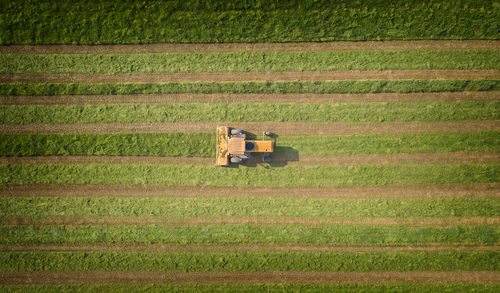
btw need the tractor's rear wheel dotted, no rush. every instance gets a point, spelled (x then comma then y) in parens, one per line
(236, 160)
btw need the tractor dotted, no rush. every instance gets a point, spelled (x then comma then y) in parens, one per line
(234, 148)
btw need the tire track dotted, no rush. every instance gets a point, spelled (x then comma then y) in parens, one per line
(244, 247)
(278, 158)
(254, 47)
(280, 128)
(250, 76)
(251, 98)
(269, 277)
(413, 222)
(480, 190)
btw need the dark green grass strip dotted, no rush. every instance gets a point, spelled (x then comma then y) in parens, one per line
(247, 207)
(76, 22)
(244, 112)
(250, 234)
(209, 288)
(293, 176)
(249, 61)
(249, 261)
(338, 86)
(203, 144)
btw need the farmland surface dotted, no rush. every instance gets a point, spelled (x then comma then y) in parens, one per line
(386, 174)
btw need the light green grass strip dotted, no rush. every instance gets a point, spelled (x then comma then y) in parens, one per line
(249, 261)
(250, 61)
(293, 176)
(250, 234)
(337, 86)
(247, 206)
(282, 288)
(198, 112)
(203, 144)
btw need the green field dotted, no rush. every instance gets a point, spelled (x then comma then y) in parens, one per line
(371, 194)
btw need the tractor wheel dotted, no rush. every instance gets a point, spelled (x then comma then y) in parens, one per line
(268, 133)
(236, 160)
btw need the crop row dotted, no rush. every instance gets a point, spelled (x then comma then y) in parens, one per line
(282, 288)
(28, 22)
(244, 112)
(334, 86)
(293, 176)
(247, 207)
(250, 234)
(249, 61)
(248, 261)
(198, 144)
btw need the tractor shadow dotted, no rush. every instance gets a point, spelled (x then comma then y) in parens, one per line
(281, 156)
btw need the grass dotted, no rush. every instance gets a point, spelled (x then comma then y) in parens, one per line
(336, 86)
(203, 144)
(171, 144)
(61, 22)
(249, 206)
(289, 176)
(348, 288)
(249, 261)
(245, 112)
(335, 235)
(249, 61)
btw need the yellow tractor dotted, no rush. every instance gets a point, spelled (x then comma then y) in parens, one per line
(233, 147)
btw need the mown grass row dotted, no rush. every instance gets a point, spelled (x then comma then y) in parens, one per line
(227, 235)
(249, 261)
(336, 86)
(289, 176)
(247, 207)
(246, 112)
(201, 144)
(249, 61)
(346, 288)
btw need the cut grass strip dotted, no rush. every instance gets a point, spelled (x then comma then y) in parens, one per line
(338, 86)
(282, 279)
(247, 62)
(243, 112)
(475, 190)
(335, 235)
(276, 76)
(250, 206)
(261, 21)
(254, 47)
(344, 288)
(177, 144)
(415, 222)
(242, 247)
(251, 98)
(279, 128)
(249, 261)
(289, 176)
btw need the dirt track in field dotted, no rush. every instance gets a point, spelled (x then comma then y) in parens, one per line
(280, 128)
(414, 222)
(270, 277)
(278, 158)
(245, 247)
(478, 190)
(251, 76)
(251, 98)
(254, 47)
